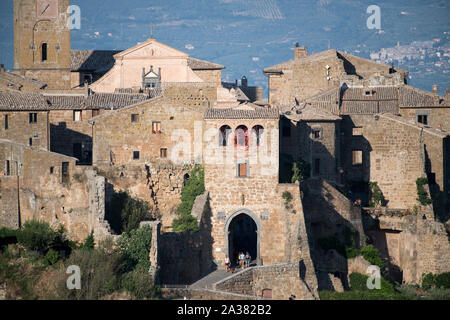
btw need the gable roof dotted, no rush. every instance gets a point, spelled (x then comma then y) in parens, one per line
(92, 60)
(16, 81)
(307, 112)
(244, 110)
(148, 42)
(197, 64)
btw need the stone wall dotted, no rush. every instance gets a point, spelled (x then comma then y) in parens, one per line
(203, 294)
(393, 156)
(438, 117)
(413, 245)
(21, 130)
(150, 177)
(283, 280)
(40, 191)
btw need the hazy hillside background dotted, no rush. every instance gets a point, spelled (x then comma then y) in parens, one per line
(249, 35)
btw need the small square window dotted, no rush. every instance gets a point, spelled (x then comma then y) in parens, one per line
(356, 157)
(135, 155)
(77, 115)
(242, 170)
(156, 127)
(317, 133)
(95, 112)
(163, 153)
(422, 118)
(33, 117)
(134, 118)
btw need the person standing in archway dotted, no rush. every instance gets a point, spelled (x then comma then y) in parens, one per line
(247, 259)
(227, 264)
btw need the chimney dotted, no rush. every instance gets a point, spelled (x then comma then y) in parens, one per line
(300, 52)
(447, 94)
(2, 68)
(244, 81)
(434, 89)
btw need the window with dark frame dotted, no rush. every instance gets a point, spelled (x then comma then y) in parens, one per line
(317, 133)
(30, 141)
(52, 170)
(134, 117)
(422, 118)
(8, 168)
(44, 52)
(65, 172)
(135, 155)
(163, 153)
(32, 117)
(95, 112)
(6, 122)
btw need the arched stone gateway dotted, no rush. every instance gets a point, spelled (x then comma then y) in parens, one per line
(243, 233)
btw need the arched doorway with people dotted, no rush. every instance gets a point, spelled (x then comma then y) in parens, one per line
(243, 229)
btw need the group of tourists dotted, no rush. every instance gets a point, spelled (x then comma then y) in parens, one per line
(242, 259)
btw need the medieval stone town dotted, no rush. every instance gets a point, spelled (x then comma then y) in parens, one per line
(342, 145)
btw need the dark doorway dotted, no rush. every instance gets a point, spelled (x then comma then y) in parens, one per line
(77, 151)
(242, 236)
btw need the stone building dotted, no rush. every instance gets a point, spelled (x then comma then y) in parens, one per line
(42, 41)
(307, 75)
(58, 122)
(148, 148)
(42, 185)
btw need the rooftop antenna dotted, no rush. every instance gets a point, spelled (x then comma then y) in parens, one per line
(151, 30)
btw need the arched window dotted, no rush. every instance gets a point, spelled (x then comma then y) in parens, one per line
(224, 133)
(241, 136)
(44, 52)
(257, 131)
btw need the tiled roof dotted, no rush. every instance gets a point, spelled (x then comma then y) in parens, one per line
(31, 101)
(379, 93)
(18, 81)
(414, 97)
(254, 112)
(197, 64)
(10, 100)
(92, 60)
(307, 112)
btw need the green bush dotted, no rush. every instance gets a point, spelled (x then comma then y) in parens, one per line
(372, 254)
(422, 195)
(443, 280)
(428, 281)
(287, 196)
(99, 276)
(135, 248)
(125, 213)
(140, 284)
(331, 242)
(6, 232)
(376, 196)
(194, 186)
(301, 170)
(51, 257)
(89, 242)
(37, 235)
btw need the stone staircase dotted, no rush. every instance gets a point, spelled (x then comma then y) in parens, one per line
(209, 280)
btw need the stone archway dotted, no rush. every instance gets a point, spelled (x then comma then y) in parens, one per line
(243, 233)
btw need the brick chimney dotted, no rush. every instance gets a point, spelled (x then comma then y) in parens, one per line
(2, 68)
(86, 89)
(434, 89)
(300, 52)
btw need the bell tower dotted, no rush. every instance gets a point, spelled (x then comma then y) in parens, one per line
(42, 41)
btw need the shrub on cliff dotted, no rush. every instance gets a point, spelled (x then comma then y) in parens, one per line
(125, 213)
(37, 235)
(135, 248)
(194, 186)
